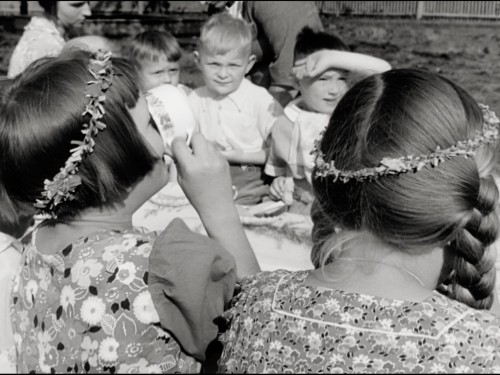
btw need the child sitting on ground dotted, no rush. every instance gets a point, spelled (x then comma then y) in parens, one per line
(231, 111)
(305, 118)
(157, 55)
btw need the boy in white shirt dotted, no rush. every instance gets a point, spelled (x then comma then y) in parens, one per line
(292, 139)
(230, 110)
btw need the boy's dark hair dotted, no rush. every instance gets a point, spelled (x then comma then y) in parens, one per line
(309, 41)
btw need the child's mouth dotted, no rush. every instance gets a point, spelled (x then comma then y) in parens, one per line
(331, 100)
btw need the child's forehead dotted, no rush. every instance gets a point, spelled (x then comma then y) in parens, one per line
(231, 54)
(161, 63)
(155, 57)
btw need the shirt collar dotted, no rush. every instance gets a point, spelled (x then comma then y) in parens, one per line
(240, 96)
(293, 111)
(7, 241)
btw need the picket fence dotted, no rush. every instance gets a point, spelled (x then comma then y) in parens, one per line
(479, 10)
(471, 10)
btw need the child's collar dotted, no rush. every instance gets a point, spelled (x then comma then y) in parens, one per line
(296, 108)
(239, 96)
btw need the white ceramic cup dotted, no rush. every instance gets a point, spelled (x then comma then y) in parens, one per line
(172, 113)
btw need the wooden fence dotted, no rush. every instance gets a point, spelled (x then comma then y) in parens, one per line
(473, 10)
(479, 10)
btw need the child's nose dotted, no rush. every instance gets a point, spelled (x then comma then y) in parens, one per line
(222, 71)
(336, 88)
(166, 78)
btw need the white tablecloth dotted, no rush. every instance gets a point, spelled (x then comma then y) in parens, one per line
(280, 242)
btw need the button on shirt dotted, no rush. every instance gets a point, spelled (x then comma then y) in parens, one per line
(242, 119)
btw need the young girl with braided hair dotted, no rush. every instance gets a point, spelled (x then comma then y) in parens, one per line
(78, 145)
(404, 206)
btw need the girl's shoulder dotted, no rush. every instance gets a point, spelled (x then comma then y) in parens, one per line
(267, 281)
(136, 242)
(133, 244)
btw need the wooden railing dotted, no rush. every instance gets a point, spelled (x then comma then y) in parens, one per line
(416, 9)
(478, 10)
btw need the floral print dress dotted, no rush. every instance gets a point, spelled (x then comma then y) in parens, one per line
(87, 308)
(278, 324)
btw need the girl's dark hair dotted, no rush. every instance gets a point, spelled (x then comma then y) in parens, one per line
(410, 112)
(41, 114)
(309, 41)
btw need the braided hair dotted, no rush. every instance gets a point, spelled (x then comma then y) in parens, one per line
(453, 206)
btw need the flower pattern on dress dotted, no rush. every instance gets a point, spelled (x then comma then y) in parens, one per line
(308, 329)
(92, 314)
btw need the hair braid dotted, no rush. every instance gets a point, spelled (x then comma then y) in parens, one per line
(472, 277)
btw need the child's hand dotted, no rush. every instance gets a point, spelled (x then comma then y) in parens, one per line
(313, 65)
(233, 155)
(277, 188)
(282, 189)
(203, 174)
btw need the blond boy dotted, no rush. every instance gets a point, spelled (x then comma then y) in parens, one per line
(230, 110)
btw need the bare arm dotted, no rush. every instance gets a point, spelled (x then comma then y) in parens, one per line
(203, 174)
(318, 62)
(240, 157)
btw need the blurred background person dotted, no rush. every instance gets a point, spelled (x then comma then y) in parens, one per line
(46, 35)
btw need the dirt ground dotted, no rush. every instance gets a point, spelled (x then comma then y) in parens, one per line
(465, 52)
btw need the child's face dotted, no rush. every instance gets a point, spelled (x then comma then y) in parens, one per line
(321, 94)
(223, 73)
(158, 73)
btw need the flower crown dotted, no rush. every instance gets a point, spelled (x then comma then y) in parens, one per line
(394, 166)
(62, 187)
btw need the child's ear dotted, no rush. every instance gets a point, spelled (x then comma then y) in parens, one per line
(251, 61)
